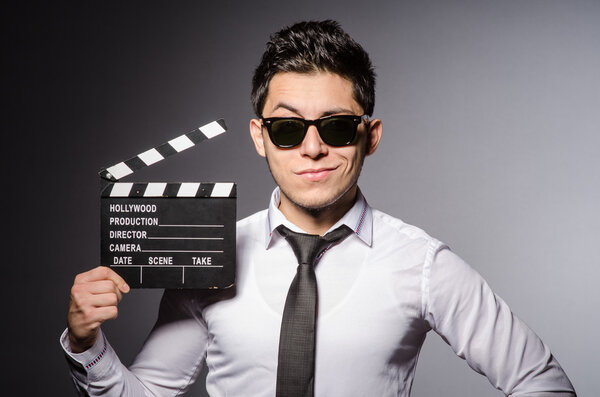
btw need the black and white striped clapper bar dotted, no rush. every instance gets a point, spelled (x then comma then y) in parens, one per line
(165, 234)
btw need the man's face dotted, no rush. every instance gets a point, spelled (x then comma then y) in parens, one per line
(314, 175)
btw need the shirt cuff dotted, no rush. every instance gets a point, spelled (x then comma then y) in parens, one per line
(89, 358)
(92, 364)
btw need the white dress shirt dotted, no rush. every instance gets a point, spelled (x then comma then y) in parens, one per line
(380, 291)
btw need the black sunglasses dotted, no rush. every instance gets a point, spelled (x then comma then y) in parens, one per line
(287, 132)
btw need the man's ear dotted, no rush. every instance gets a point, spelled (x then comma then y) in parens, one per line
(374, 136)
(257, 136)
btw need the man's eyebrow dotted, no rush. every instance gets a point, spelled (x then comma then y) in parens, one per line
(285, 106)
(336, 110)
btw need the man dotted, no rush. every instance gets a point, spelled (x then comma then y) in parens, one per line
(380, 289)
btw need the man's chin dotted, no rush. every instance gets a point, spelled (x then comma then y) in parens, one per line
(313, 203)
(316, 207)
(317, 203)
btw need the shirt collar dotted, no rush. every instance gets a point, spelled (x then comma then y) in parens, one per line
(359, 218)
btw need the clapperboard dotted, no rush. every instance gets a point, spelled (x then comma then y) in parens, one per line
(165, 234)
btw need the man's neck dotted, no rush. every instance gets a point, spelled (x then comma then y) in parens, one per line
(317, 221)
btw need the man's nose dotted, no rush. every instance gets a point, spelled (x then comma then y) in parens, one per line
(312, 145)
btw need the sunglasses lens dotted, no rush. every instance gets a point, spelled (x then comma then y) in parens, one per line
(287, 133)
(337, 131)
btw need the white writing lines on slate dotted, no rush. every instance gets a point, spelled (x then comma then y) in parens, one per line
(185, 238)
(170, 266)
(191, 225)
(215, 252)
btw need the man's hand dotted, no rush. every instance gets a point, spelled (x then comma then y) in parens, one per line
(94, 298)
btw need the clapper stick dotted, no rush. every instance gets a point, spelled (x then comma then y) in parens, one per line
(154, 155)
(169, 234)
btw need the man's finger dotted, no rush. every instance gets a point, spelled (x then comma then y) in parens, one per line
(94, 317)
(103, 287)
(107, 299)
(103, 273)
(106, 313)
(83, 293)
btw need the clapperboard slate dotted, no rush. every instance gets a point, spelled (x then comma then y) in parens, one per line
(164, 234)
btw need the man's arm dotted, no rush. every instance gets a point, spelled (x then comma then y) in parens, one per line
(168, 363)
(480, 327)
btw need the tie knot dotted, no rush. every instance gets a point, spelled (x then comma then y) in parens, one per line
(308, 247)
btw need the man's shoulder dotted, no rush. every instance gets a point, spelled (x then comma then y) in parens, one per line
(257, 217)
(396, 229)
(252, 225)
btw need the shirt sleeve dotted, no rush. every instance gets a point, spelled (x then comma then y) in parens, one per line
(480, 328)
(168, 363)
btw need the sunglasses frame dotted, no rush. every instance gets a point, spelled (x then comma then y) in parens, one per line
(268, 122)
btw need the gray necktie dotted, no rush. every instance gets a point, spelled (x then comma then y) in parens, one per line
(296, 363)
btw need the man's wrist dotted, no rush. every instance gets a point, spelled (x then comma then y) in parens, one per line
(79, 345)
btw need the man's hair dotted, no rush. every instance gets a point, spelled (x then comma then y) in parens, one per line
(315, 46)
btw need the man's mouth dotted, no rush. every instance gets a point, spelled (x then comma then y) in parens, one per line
(315, 174)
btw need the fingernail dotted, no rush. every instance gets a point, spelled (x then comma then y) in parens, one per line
(125, 287)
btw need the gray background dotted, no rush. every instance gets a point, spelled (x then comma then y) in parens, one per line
(491, 144)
